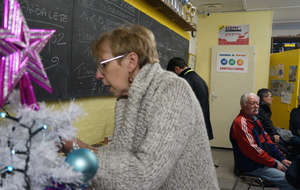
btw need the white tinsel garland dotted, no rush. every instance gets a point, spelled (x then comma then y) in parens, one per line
(45, 165)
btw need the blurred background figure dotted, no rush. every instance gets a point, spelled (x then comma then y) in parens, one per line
(277, 134)
(295, 119)
(199, 86)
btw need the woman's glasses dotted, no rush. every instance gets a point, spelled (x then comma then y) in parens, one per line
(103, 64)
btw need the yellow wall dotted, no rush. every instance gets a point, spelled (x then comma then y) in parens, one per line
(281, 111)
(99, 121)
(260, 30)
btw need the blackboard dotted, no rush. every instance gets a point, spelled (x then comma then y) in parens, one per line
(66, 57)
(56, 55)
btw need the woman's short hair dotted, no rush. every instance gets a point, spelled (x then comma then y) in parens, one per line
(129, 38)
(263, 92)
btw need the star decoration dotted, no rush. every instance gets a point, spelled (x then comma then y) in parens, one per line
(9, 69)
(19, 50)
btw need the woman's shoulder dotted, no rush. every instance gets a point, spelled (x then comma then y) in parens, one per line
(162, 81)
(170, 79)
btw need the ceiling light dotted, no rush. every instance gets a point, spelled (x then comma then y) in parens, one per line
(213, 6)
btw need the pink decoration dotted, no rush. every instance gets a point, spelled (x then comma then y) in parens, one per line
(19, 51)
(27, 92)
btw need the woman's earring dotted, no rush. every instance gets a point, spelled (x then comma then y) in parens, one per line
(130, 80)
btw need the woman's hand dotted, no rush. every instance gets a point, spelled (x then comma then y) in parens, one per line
(68, 145)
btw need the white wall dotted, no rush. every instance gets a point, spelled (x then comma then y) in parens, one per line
(193, 41)
(286, 29)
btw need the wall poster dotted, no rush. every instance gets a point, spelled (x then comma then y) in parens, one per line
(233, 35)
(192, 61)
(293, 73)
(232, 62)
(283, 89)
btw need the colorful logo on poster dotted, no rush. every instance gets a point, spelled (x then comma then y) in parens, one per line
(224, 61)
(231, 62)
(240, 62)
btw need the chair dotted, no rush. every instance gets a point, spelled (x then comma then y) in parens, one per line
(286, 151)
(250, 179)
(258, 181)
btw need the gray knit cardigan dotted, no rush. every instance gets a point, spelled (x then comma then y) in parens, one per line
(159, 141)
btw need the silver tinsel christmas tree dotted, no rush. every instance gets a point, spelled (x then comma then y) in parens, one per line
(31, 133)
(29, 144)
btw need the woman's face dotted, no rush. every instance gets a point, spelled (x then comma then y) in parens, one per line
(268, 99)
(114, 75)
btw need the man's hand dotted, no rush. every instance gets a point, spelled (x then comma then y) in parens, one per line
(281, 167)
(286, 162)
(276, 137)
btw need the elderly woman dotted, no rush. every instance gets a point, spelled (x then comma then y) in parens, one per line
(160, 139)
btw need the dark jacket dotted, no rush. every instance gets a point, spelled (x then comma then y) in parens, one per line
(200, 88)
(295, 121)
(264, 115)
(293, 172)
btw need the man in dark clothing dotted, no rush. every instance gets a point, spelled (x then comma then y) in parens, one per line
(293, 172)
(265, 113)
(199, 86)
(282, 136)
(295, 119)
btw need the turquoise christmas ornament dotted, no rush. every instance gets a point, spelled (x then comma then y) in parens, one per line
(85, 161)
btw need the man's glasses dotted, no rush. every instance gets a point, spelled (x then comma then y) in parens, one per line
(103, 64)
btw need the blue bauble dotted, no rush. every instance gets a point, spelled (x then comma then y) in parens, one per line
(85, 161)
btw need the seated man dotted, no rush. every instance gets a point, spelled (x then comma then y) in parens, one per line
(254, 152)
(265, 113)
(282, 136)
(295, 119)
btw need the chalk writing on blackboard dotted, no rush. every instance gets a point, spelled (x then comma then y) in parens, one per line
(66, 57)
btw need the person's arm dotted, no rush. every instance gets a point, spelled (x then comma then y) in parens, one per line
(274, 151)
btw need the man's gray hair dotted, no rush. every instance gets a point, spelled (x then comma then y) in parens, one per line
(244, 97)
